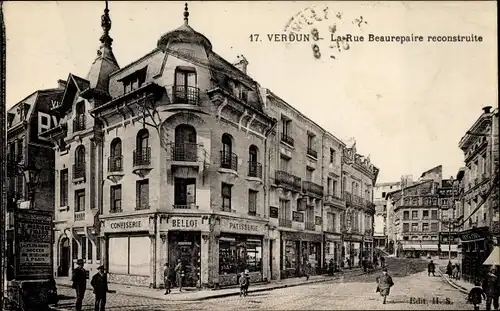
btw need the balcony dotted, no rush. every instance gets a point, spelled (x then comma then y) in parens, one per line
(185, 206)
(347, 196)
(254, 169)
(185, 152)
(286, 223)
(310, 188)
(288, 181)
(80, 216)
(287, 139)
(79, 123)
(115, 164)
(311, 226)
(229, 160)
(79, 170)
(356, 199)
(332, 200)
(313, 153)
(185, 95)
(142, 156)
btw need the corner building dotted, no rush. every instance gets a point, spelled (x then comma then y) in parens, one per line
(174, 157)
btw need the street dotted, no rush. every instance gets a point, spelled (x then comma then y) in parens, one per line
(413, 290)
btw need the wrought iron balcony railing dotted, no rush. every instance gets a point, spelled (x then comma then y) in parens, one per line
(308, 187)
(288, 180)
(182, 94)
(185, 206)
(287, 139)
(79, 216)
(79, 170)
(229, 160)
(254, 169)
(184, 152)
(115, 164)
(79, 123)
(287, 223)
(313, 153)
(142, 156)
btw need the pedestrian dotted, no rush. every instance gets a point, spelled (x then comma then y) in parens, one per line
(79, 280)
(455, 272)
(179, 274)
(100, 284)
(364, 263)
(449, 269)
(167, 279)
(384, 284)
(375, 262)
(331, 266)
(382, 261)
(458, 270)
(491, 289)
(431, 268)
(52, 294)
(243, 284)
(476, 295)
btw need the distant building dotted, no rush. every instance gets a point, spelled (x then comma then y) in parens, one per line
(381, 190)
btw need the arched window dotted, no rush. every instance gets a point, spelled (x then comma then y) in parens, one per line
(80, 108)
(185, 90)
(254, 167)
(227, 144)
(185, 148)
(116, 148)
(80, 155)
(79, 120)
(228, 159)
(253, 154)
(142, 139)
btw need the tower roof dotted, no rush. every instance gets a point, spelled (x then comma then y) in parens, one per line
(105, 62)
(184, 34)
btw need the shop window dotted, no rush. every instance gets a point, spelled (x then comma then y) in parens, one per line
(129, 255)
(226, 197)
(185, 192)
(142, 194)
(116, 199)
(80, 200)
(237, 253)
(290, 255)
(252, 202)
(63, 187)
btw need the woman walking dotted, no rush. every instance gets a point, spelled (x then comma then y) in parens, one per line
(384, 284)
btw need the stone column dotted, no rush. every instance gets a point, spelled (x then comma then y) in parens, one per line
(276, 258)
(266, 275)
(205, 258)
(152, 261)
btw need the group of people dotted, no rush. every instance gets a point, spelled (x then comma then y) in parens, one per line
(453, 270)
(376, 260)
(99, 283)
(488, 289)
(177, 274)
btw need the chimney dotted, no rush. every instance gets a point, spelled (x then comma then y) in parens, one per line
(61, 84)
(241, 63)
(487, 109)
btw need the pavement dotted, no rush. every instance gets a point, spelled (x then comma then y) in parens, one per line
(460, 285)
(353, 290)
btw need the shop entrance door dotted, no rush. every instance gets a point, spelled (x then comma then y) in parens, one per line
(186, 247)
(298, 259)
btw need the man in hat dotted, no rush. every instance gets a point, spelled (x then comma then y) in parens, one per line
(167, 278)
(100, 284)
(79, 279)
(179, 274)
(491, 288)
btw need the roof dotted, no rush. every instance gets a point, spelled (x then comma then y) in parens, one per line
(436, 169)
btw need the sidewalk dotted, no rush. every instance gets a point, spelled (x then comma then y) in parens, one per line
(460, 285)
(196, 295)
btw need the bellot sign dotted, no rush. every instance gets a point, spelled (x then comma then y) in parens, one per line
(195, 223)
(33, 240)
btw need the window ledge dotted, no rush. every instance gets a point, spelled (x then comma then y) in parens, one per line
(63, 208)
(228, 171)
(78, 180)
(311, 157)
(287, 145)
(256, 179)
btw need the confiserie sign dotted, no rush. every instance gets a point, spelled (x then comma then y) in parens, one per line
(33, 237)
(136, 224)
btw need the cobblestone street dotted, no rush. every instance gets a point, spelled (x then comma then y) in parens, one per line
(413, 290)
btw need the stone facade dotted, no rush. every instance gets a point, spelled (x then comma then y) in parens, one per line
(178, 157)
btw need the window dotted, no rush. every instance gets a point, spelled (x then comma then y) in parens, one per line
(286, 123)
(252, 202)
(414, 215)
(227, 158)
(434, 214)
(142, 194)
(238, 253)
(425, 214)
(309, 174)
(134, 80)
(226, 197)
(284, 161)
(79, 166)
(63, 187)
(334, 222)
(332, 156)
(80, 200)
(185, 90)
(129, 255)
(334, 187)
(20, 150)
(115, 159)
(414, 227)
(406, 227)
(142, 139)
(425, 227)
(444, 202)
(80, 155)
(414, 201)
(405, 238)
(116, 199)
(79, 119)
(329, 185)
(90, 249)
(310, 145)
(434, 226)
(285, 210)
(383, 194)
(184, 192)
(84, 247)
(406, 215)
(98, 248)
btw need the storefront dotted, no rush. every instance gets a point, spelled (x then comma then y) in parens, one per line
(129, 250)
(298, 249)
(333, 246)
(368, 247)
(476, 247)
(352, 251)
(241, 245)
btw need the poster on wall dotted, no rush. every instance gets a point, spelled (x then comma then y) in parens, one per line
(33, 240)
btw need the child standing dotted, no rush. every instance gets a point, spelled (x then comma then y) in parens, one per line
(476, 295)
(243, 284)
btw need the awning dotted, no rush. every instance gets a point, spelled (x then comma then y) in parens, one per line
(494, 258)
(445, 247)
(419, 247)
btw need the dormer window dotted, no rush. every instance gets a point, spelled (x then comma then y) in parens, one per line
(134, 81)
(185, 90)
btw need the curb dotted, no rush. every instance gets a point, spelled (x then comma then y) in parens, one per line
(453, 284)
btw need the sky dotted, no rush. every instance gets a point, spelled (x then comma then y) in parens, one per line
(406, 104)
